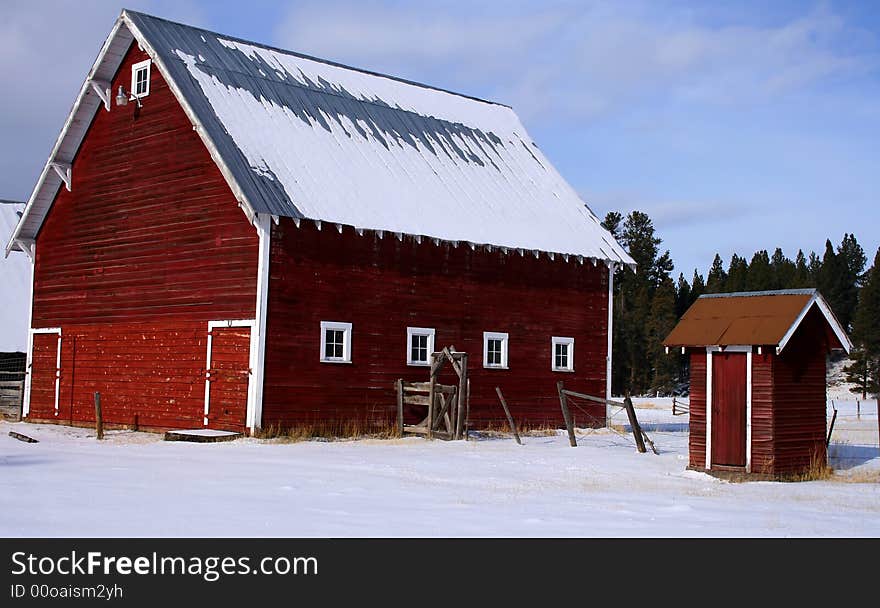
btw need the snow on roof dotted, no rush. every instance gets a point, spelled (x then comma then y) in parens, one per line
(305, 138)
(15, 275)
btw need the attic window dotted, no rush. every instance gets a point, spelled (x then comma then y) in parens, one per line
(140, 79)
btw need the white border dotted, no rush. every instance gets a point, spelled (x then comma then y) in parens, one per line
(608, 360)
(709, 350)
(26, 407)
(749, 411)
(419, 331)
(135, 68)
(263, 224)
(568, 342)
(494, 335)
(346, 341)
(826, 311)
(747, 350)
(230, 323)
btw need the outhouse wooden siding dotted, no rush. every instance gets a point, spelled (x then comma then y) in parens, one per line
(384, 285)
(132, 263)
(788, 418)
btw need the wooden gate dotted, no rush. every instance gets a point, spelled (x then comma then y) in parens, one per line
(227, 378)
(729, 409)
(446, 405)
(44, 375)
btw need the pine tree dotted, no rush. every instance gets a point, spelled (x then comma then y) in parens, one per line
(801, 277)
(737, 275)
(611, 223)
(682, 296)
(864, 370)
(664, 367)
(814, 266)
(633, 346)
(698, 287)
(783, 270)
(716, 278)
(760, 274)
(837, 283)
(851, 260)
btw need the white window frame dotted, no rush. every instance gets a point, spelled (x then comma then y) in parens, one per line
(134, 71)
(494, 335)
(419, 331)
(560, 340)
(346, 341)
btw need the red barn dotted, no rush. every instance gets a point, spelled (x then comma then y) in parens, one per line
(235, 236)
(757, 379)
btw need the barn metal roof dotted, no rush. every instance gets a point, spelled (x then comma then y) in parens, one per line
(760, 318)
(306, 138)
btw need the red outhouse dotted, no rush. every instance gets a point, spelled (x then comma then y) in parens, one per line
(757, 380)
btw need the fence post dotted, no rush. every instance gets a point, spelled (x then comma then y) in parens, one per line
(99, 422)
(634, 423)
(569, 425)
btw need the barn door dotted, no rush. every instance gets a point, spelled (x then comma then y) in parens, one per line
(44, 376)
(227, 378)
(729, 409)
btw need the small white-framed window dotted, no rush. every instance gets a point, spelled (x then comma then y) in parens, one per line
(419, 345)
(335, 342)
(562, 352)
(494, 350)
(140, 79)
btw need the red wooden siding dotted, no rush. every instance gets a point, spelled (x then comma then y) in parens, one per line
(230, 348)
(762, 413)
(149, 374)
(382, 286)
(697, 416)
(148, 247)
(799, 398)
(729, 409)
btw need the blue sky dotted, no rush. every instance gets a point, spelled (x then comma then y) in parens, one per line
(736, 126)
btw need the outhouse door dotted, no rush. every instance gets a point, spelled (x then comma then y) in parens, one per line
(729, 409)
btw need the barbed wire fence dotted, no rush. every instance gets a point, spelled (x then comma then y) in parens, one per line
(853, 434)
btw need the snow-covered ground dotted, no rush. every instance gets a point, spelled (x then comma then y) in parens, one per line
(135, 484)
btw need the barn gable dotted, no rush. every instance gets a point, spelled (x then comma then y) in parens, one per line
(384, 154)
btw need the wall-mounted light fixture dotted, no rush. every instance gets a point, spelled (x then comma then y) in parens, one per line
(122, 98)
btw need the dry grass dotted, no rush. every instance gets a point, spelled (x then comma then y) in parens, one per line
(817, 470)
(333, 430)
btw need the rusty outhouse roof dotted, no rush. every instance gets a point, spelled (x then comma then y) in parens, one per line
(767, 318)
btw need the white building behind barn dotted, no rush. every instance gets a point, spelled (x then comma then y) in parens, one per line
(14, 286)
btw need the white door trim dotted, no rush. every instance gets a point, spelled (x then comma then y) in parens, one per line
(229, 323)
(709, 351)
(748, 354)
(26, 408)
(749, 411)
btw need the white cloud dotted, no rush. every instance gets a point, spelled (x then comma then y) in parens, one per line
(563, 59)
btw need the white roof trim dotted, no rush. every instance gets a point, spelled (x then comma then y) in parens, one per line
(83, 112)
(80, 106)
(826, 311)
(247, 207)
